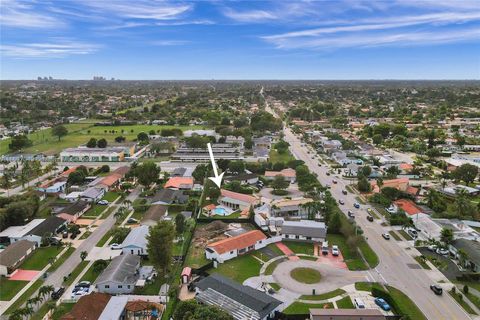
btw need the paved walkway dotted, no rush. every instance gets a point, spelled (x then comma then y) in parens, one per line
(286, 250)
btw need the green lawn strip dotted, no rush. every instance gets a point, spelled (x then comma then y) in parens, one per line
(306, 275)
(440, 264)
(273, 247)
(25, 296)
(85, 235)
(473, 284)
(110, 196)
(461, 302)
(374, 214)
(90, 275)
(40, 313)
(280, 157)
(74, 274)
(239, 269)
(367, 286)
(304, 308)
(94, 211)
(308, 258)
(58, 262)
(405, 235)
(271, 267)
(41, 258)
(422, 262)
(104, 239)
(395, 235)
(345, 303)
(405, 304)
(61, 310)
(323, 296)
(106, 213)
(300, 247)
(368, 253)
(353, 261)
(275, 286)
(473, 298)
(9, 288)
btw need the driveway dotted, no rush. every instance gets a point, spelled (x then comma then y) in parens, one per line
(332, 278)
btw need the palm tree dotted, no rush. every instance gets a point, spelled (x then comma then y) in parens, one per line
(127, 203)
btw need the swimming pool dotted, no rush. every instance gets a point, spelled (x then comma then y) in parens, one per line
(220, 211)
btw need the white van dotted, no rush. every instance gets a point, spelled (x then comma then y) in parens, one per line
(325, 248)
(359, 304)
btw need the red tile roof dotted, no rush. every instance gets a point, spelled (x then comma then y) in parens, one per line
(400, 184)
(179, 182)
(238, 242)
(238, 196)
(406, 166)
(408, 206)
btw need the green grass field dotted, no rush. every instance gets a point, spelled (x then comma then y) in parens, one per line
(90, 275)
(345, 303)
(74, 274)
(304, 308)
(25, 296)
(306, 275)
(9, 288)
(40, 258)
(406, 306)
(280, 157)
(323, 296)
(300, 247)
(80, 133)
(58, 262)
(239, 269)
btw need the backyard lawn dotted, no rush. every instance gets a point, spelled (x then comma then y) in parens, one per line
(40, 258)
(239, 269)
(304, 308)
(110, 196)
(94, 211)
(10, 288)
(280, 157)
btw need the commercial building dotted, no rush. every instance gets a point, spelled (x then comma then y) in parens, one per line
(221, 150)
(84, 154)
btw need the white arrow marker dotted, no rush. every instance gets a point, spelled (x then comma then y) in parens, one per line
(218, 178)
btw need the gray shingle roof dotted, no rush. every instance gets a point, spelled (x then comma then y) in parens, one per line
(471, 248)
(305, 228)
(49, 225)
(75, 208)
(137, 237)
(14, 252)
(246, 296)
(122, 269)
(169, 196)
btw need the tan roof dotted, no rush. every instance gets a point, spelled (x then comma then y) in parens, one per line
(238, 196)
(154, 213)
(244, 240)
(14, 252)
(290, 202)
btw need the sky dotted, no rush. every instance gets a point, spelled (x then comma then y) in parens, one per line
(177, 40)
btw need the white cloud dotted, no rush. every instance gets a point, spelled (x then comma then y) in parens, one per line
(170, 42)
(54, 49)
(23, 15)
(250, 16)
(146, 9)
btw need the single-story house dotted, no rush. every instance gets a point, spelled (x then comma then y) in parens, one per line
(114, 178)
(136, 241)
(230, 248)
(472, 250)
(49, 226)
(130, 307)
(15, 233)
(14, 255)
(74, 211)
(53, 187)
(73, 196)
(179, 183)
(241, 302)
(293, 208)
(88, 307)
(179, 172)
(305, 230)
(452, 191)
(235, 200)
(93, 194)
(120, 276)
(154, 214)
(289, 174)
(243, 178)
(346, 314)
(169, 196)
(408, 206)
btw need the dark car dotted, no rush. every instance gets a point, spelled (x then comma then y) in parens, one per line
(356, 205)
(436, 289)
(351, 214)
(370, 218)
(382, 304)
(57, 293)
(344, 192)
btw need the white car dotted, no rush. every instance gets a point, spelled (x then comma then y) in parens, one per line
(103, 202)
(335, 251)
(442, 251)
(79, 293)
(432, 248)
(359, 304)
(115, 246)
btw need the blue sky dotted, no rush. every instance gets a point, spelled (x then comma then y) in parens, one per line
(150, 39)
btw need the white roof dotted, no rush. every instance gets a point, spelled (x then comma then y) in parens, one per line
(57, 184)
(114, 308)
(137, 237)
(74, 195)
(20, 231)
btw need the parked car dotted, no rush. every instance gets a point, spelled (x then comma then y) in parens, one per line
(369, 210)
(328, 173)
(327, 186)
(325, 248)
(344, 192)
(334, 181)
(442, 251)
(370, 218)
(83, 284)
(436, 289)
(115, 246)
(73, 235)
(80, 292)
(359, 304)
(356, 205)
(57, 293)
(335, 251)
(350, 214)
(382, 304)
(432, 248)
(64, 234)
(412, 232)
(386, 236)
(132, 220)
(103, 202)
(341, 201)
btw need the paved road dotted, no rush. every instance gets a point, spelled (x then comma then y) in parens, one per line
(394, 261)
(20, 189)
